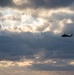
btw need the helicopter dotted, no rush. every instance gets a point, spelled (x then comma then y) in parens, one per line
(67, 35)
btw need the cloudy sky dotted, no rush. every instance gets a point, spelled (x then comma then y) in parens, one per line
(30, 37)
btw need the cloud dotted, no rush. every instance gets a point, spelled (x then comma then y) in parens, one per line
(10, 17)
(43, 27)
(69, 28)
(39, 65)
(14, 46)
(35, 35)
(22, 71)
(5, 3)
(17, 21)
(27, 37)
(51, 4)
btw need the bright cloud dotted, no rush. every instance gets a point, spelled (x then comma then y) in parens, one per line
(24, 21)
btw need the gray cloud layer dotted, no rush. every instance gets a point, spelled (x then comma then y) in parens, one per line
(38, 3)
(5, 3)
(51, 3)
(28, 44)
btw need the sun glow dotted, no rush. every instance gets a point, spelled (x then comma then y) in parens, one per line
(14, 63)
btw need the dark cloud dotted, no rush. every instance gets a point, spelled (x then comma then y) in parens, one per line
(28, 44)
(38, 3)
(46, 46)
(13, 48)
(51, 3)
(4, 3)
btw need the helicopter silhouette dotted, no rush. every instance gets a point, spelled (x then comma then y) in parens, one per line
(66, 35)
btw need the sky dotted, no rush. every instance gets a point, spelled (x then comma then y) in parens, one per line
(30, 37)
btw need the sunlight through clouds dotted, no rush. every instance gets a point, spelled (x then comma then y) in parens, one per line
(24, 21)
(15, 63)
(30, 37)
